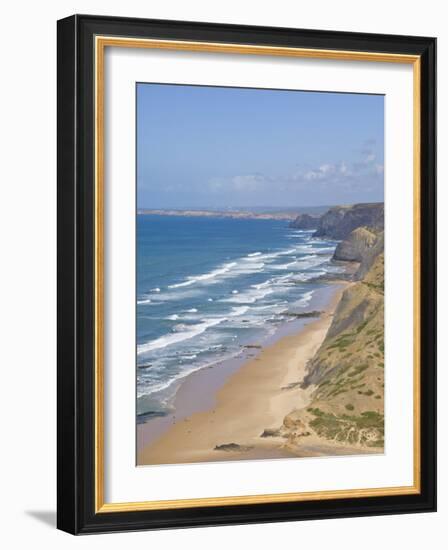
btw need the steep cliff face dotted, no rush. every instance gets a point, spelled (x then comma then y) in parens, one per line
(347, 373)
(370, 255)
(340, 221)
(355, 246)
(305, 221)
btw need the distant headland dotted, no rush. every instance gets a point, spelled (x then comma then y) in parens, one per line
(234, 214)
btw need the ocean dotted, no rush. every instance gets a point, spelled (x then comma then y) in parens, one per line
(208, 287)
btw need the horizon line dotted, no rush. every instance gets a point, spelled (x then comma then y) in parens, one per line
(234, 208)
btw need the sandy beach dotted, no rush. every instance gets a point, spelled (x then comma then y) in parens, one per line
(227, 424)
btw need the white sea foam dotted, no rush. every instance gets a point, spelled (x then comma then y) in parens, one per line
(236, 311)
(259, 291)
(306, 298)
(324, 249)
(281, 278)
(268, 306)
(270, 257)
(215, 273)
(205, 276)
(185, 283)
(143, 301)
(256, 261)
(285, 266)
(189, 347)
(170, 339)
(321, 241)
(153, 388)
(174, 296)
(249, 268)
(300, 264)
(249, 297)
(309, 275)
(262, 285)
(286, 252)
(303, 248)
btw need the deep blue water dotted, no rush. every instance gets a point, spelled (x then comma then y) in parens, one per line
(208, 286)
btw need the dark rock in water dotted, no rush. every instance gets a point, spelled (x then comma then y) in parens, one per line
(340, 221)
(305, 221)
(233, 447)
(336, 277)
(355, 246)
(142, 418)
(303, 314)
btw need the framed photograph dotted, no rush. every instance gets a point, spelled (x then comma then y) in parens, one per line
(246, 274)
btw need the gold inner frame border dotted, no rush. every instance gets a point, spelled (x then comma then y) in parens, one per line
(100, 44)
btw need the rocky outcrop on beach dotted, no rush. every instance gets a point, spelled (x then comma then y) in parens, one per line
(305, 221)
(347, 372)
(233, 447)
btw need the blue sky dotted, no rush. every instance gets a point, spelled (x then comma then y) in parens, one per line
(200, 146)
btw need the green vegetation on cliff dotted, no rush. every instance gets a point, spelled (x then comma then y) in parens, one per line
(347, 372)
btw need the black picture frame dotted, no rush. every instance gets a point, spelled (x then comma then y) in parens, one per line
(76, 286)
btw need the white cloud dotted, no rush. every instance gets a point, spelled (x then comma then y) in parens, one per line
(343, 168)
(364, 175)
(249, 182)
(243, 183)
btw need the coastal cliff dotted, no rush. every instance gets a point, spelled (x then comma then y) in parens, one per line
(305, 221)
(339, 221)
(346, 375)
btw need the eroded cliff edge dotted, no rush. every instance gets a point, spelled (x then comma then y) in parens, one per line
(346, 375)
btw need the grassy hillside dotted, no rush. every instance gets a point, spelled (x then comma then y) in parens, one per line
(347, 372)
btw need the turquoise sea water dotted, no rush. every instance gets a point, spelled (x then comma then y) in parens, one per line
(206, 287)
